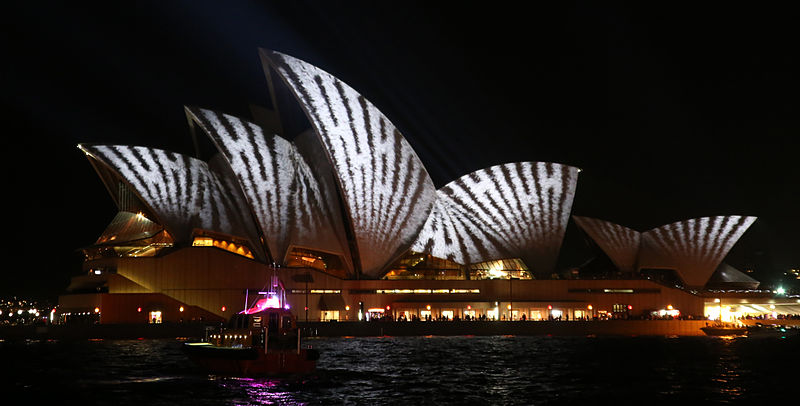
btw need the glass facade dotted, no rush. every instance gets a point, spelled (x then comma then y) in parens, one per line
(322, 261)
(236, 248)
(415, 265)
(500, 269)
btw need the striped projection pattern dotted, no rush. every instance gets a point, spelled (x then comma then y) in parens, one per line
(621, 244)
(693, 247)
(277, 183)
(386, 189)
(351, 186)
(181, 191)
(517, 210)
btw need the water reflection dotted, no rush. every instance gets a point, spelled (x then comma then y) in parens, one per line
(419, 370)
(728, 372)
(260, 391)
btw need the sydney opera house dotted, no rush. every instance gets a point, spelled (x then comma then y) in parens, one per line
(326, 193)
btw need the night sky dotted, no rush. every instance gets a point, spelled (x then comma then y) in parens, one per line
(671, 113)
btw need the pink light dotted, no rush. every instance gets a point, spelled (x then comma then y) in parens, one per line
(271, 302)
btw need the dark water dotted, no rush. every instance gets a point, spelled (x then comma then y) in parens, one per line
(419, 371)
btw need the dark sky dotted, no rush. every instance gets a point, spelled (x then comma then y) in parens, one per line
(672, 112)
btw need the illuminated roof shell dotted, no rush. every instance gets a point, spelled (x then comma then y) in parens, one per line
(182, 192)
(620, 243)
(353, 186)
(694, 247)
(387, 192)
(277, 183)
(517, 210)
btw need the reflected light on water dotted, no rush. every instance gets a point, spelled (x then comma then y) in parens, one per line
(261, 391)
(728, 371)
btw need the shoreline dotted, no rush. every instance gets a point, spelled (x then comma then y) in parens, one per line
(518, 328)
(194, 331)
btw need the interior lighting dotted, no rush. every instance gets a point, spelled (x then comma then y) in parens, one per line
(139, 309)
(181, 309)
(589, 307)
(97, 310)
(347, 307)
(496, 273)
(224, 308)
(617, 290)
(428, 307)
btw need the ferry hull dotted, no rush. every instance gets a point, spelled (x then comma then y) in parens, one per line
(251, 362)
(724, 331)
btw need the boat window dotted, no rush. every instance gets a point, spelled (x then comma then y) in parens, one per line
(239, 321)
(273, 321)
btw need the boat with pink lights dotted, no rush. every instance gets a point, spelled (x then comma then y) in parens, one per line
(262, 340)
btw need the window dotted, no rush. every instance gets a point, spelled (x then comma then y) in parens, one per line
(328, 315)
(155, 317)
(236, 248)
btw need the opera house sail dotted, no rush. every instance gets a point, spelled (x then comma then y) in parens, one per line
(385, 188)
(321, 187)
(693, 248)
(515, 210)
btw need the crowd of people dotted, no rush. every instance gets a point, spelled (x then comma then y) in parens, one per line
(770, 317)
(523, 317)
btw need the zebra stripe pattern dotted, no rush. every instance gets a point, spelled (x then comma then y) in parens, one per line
(276, 181)
(386, 190)
(693, 247)
(517, 210)
(183, 192)
(621, 244)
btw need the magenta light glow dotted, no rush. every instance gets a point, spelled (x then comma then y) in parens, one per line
(270, 302)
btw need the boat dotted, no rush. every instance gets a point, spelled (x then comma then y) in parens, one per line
(723, 330)
(770, 330)
(262, 340)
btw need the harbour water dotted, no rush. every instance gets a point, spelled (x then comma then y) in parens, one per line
(456, 370)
